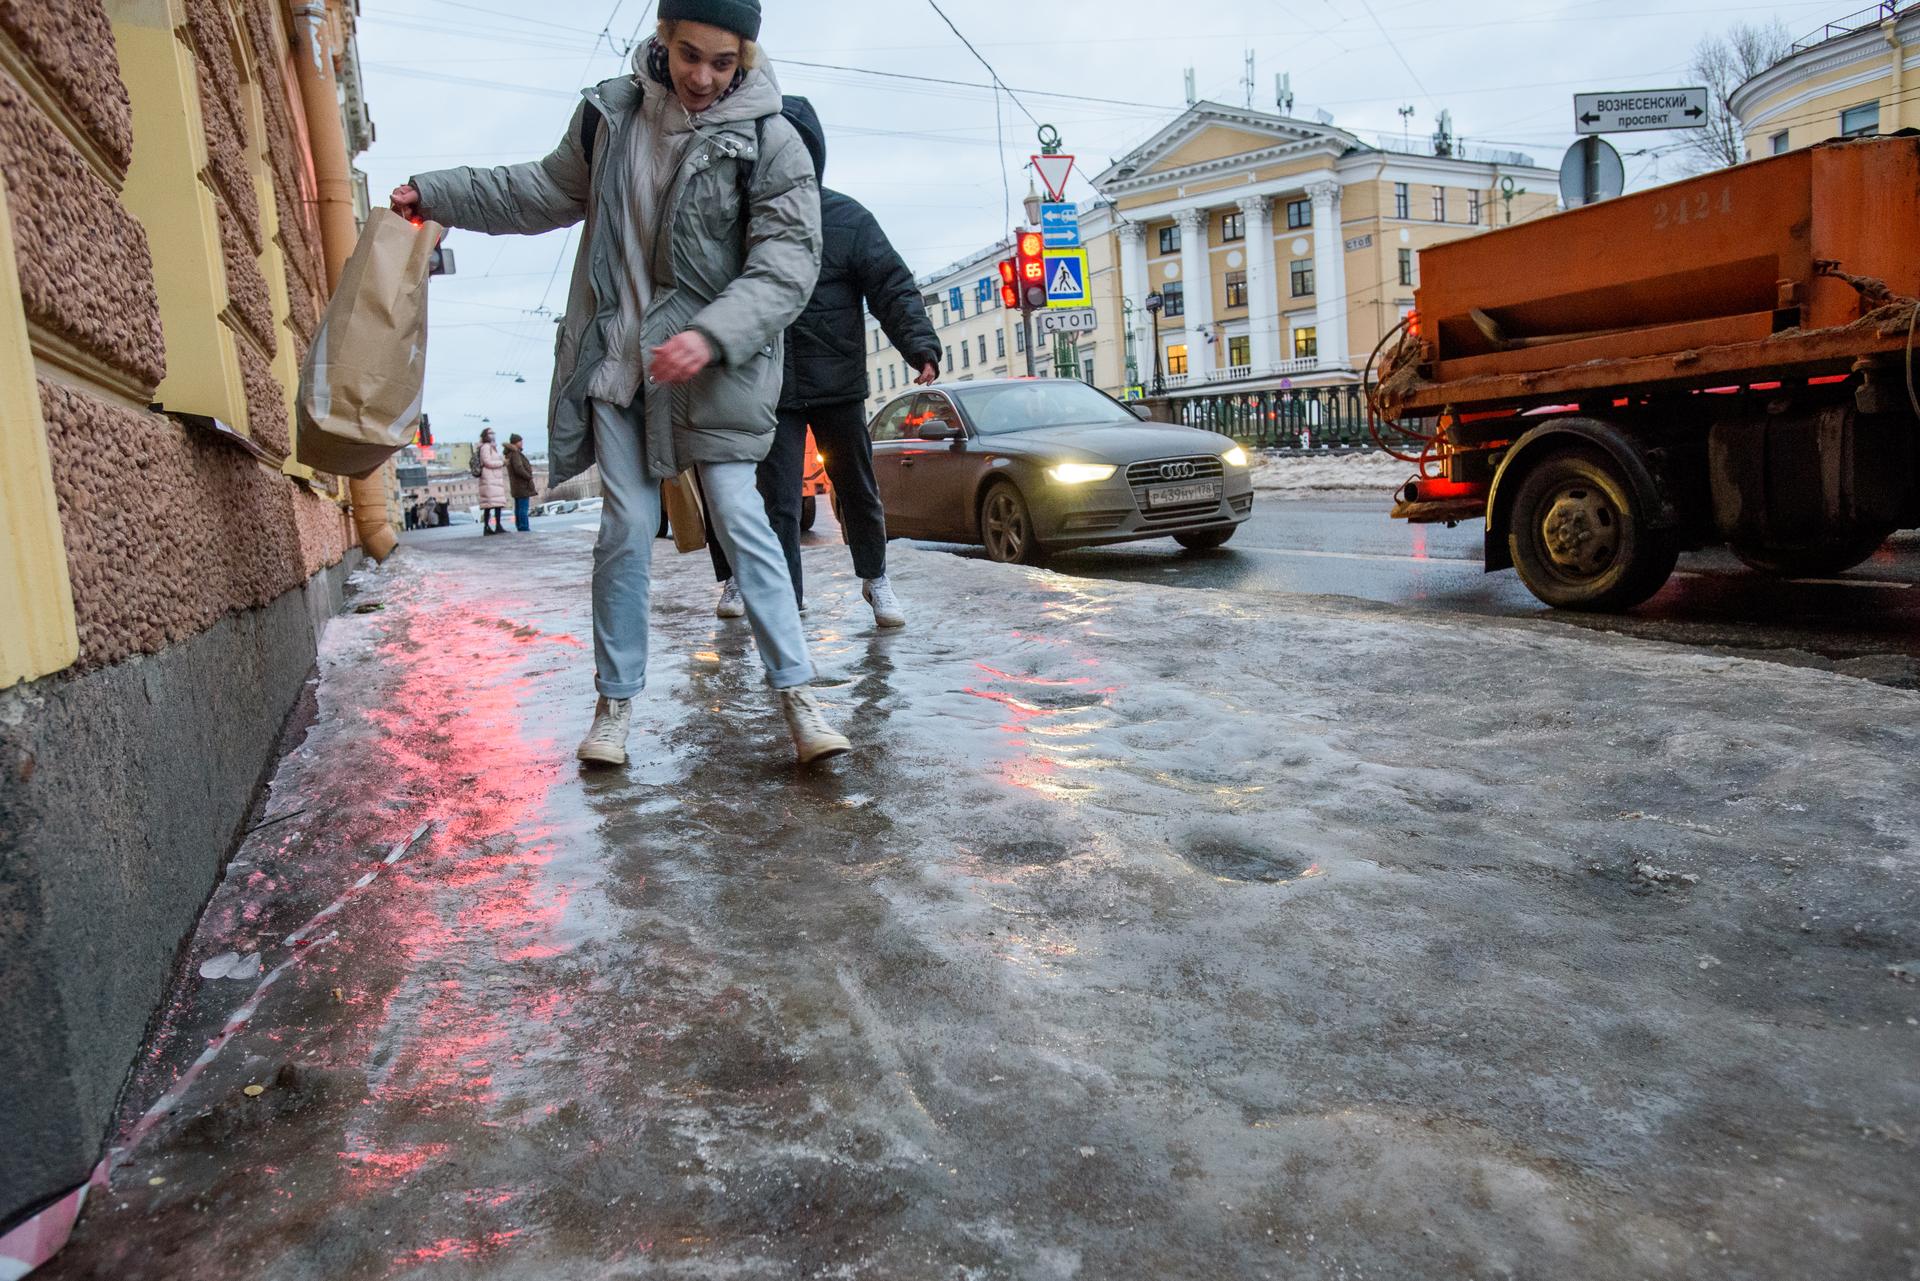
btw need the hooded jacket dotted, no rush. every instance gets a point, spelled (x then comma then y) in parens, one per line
(734, 258)
(826, 359)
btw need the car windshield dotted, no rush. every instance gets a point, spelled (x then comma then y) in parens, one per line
(1044, 402)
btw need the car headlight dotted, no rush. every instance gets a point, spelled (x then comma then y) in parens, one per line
(1080, 473)
(1236, 457)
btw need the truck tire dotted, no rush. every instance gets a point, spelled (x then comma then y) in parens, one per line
(809, 510)
(1579, 539)
(1834, 555)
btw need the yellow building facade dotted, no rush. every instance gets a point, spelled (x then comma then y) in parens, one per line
(1281, 252)
(1856, 78)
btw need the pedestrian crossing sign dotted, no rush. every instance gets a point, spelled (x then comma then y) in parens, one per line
(1067, 278)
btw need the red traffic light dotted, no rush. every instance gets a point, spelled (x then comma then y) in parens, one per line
(1030, 266)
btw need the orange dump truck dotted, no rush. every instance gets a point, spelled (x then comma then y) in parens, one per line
(1726, 359)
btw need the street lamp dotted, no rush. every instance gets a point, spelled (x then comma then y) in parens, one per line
(1154, 303)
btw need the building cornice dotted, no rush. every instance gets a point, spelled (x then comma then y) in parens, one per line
(1832, 55)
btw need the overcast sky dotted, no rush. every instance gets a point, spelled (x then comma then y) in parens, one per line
(493, 81)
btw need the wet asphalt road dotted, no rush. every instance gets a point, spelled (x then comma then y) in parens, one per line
(1150, 934)
(1865, 623)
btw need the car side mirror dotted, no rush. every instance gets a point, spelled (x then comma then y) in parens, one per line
(1141, 412)
(941, 431)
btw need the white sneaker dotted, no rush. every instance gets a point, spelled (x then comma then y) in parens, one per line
(886, 606)
(813, 739)
(606, 742)
(731, 604)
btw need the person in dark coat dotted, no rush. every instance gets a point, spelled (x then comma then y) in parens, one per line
(826, 385)
(520, 482)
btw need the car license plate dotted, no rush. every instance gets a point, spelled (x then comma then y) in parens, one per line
(1182, 495)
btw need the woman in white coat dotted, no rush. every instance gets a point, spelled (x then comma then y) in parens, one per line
(493, 483)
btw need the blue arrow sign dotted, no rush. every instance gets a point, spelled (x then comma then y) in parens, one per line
(1060, 225)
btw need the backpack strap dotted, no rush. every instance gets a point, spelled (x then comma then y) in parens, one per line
(589, 131)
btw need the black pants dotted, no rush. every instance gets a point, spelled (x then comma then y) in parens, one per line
(841, 433)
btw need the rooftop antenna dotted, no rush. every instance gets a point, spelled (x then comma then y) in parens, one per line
(1283, 92)
(1247, 81)
(1192, 97)
(1406, 124)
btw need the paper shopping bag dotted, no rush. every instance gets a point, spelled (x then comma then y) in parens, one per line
(681, 494)
(364, 377)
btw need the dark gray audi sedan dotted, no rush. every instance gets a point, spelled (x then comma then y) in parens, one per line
(1031, 466)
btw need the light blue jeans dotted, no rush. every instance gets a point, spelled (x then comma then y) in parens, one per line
(623, 560)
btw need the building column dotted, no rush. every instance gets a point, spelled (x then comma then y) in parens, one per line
(1196, 271)
(1329, 275)
(1263, 287)
(1135, 281)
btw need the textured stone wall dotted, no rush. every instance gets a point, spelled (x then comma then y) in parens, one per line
(85, 270)
(70, 44)
(166, 533)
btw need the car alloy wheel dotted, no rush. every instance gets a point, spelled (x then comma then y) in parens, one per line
(1006, 527)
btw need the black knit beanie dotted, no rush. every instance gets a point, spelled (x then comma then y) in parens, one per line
(742, 17)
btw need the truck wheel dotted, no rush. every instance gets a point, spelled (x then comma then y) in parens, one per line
(809, 508)
(1834, 555)
(1579, 539)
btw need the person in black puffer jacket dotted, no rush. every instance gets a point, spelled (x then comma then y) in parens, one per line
(826, 384)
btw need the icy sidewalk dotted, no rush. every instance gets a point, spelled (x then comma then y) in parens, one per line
(1147, 935)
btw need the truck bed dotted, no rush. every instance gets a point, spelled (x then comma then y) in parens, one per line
(1789, 267)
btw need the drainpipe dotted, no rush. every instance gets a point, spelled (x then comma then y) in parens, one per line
(339, 222)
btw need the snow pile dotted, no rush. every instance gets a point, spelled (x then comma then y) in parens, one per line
(1372, 473)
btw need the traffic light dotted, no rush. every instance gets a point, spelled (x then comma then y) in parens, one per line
(1030, 264)
(1009, 289)
(425, 435)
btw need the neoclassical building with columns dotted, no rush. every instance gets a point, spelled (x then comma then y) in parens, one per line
(1282, 249)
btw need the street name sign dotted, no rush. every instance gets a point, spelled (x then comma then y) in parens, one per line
(1067, 278)
(1054, 171)
(1060, 226)
(1639, 110)
(1069, 320)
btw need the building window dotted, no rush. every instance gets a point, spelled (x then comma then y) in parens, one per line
(893, 377)
(1406, 266)
(1000, 343)
(1862, 121)
(1020, 337)
(1240, 351)
(1233, 226)
(1302, 274)
(983, 349)
(1402, 201)
(1473, 208)
(1439, 204)
(1299, 214)
(949, 355)
(1086, 372)
(1779, 143)
(1306, 343)
(1236, 289)
(1170, 239)
(1174, 295)
(966, 354)
(1177, 359)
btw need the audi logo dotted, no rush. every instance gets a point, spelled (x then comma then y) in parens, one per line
(1177, 471)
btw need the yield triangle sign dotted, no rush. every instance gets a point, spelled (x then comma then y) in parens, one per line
(1054, 171)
